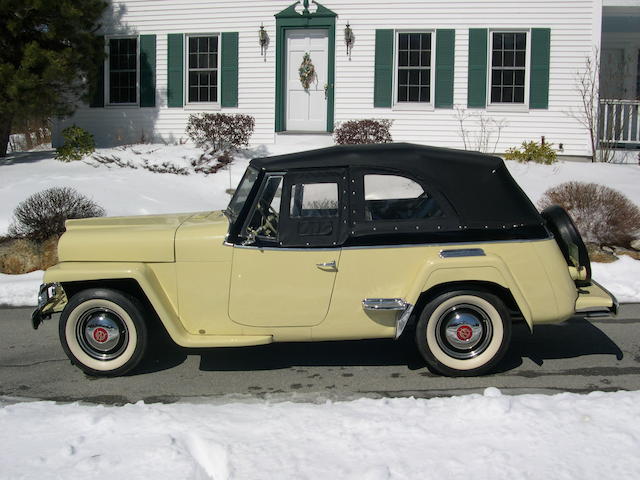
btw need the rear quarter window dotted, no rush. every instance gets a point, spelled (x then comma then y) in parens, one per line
(394, 197)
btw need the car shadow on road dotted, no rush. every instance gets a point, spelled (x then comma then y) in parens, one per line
(574, 338)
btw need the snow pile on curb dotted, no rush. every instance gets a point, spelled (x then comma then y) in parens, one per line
(622, 278)
(20, 290)
(488, 436)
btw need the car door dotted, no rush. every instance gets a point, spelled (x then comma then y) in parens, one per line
(287, 278)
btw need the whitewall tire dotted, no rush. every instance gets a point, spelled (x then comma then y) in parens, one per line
(463, 333)
(103, 332)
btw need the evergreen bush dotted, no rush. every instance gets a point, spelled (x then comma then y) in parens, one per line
(77, 143)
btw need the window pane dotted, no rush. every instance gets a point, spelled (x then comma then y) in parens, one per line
(414, 58)
(425, 58)
(403, 41)
(424, 94)
(393, 197)
(518, 94)
(403, 76)
(403, 59)
(314, 200)
(414, 41)
(414, 94)
(403, 94)
(521, 41)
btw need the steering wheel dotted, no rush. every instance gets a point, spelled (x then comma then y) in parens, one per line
(269, 220)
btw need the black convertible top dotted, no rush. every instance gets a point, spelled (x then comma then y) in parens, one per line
(479, 187)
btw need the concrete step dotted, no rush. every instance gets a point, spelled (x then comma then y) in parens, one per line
(320, 139)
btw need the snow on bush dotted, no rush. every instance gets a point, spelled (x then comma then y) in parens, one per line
(603, 215)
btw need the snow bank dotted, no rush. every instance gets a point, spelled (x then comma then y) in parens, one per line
(488, 436)
(20, 290)
(622, 278)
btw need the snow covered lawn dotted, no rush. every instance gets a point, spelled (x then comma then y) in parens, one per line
(490, 436)
(137, 191)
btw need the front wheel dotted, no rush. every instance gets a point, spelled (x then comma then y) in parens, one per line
(102, 331)
(463, 333)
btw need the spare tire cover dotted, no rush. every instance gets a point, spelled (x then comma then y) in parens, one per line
(566, 233)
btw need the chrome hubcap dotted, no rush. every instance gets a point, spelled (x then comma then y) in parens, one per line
(102, 334)
(463, 331)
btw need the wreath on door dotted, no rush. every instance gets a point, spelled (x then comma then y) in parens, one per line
(307, 71)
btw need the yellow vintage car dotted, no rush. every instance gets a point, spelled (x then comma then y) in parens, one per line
(341, 243)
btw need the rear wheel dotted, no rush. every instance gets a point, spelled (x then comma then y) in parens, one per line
(103, 332)
(463, 333)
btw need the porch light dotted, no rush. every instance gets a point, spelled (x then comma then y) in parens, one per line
(263, 39)
(348, 38)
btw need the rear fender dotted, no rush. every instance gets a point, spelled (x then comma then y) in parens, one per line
(486, 268)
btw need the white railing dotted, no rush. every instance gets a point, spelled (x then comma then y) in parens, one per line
(619, 122)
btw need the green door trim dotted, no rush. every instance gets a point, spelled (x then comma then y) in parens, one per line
(290, 19)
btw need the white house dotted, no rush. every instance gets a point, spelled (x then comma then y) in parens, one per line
(504, 71)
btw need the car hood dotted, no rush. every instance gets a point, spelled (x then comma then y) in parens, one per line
(148, 238)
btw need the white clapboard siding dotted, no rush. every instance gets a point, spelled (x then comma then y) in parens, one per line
(574, 25)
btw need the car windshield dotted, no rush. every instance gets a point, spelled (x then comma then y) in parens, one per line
(242, 192)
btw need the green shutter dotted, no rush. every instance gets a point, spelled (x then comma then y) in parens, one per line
(383, 75)
(445, 55)
(229, 75)
(96, 89)
(147, 70)
(175, 73)
(477, 83)
(539, 80)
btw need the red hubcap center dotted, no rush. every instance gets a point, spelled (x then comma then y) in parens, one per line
(464, 332)
(100, 335)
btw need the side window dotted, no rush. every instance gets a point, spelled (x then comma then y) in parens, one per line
(202, 69)
(123, 71)
(508, 67)
(265, 220)
(314, 200)
(393, 197)
(414, 67)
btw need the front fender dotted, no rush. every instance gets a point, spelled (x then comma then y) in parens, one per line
(487, 268)
(140, 272)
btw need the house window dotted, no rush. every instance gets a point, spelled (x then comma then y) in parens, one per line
(202, 69)
(508, 67)
(123, 70)
(414, 67)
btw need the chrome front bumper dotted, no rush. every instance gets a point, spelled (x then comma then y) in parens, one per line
(50, 295)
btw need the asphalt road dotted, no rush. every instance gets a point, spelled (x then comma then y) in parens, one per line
(576, 356)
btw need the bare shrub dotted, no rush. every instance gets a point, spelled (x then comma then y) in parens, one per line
(43, 214)
(220, 132)
(358, 132)
(603, 215)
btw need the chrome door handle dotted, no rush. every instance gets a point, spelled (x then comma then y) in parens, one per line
(331, 264)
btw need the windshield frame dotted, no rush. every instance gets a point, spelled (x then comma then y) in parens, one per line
(242, 194)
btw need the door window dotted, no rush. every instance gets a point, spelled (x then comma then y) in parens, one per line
(314, 200)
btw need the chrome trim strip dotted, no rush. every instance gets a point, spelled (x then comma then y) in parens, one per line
(445, 244)
(384, 304)
(404, 245)
(280, 249)
(462, 252)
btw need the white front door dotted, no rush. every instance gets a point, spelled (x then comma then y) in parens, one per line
(306, 108)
